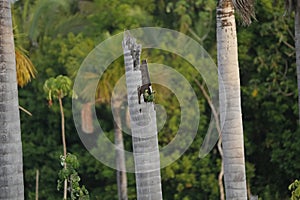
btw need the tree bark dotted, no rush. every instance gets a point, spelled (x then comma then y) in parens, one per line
(86, 118)
(230, 103)
(144, 133)
(297, 48)
(11, 162)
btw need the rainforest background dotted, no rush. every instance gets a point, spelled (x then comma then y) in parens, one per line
(57, 35)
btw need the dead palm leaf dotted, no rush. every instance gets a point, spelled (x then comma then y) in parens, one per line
(245, 9)
(25, 68)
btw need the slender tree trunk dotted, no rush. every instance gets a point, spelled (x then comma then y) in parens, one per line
(216, 116)
(37, 175)
(120, 156)
(63, 135)
(11, 162)
(144, 133)
(221, 173)
(230, 103)
(297, 47)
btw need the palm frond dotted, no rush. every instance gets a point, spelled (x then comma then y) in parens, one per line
(73, 23)
(54, 17)
(42, 9)
(25, 68)
(245, 8)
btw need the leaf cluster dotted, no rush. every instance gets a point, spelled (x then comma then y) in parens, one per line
(58, 87)
(69, 172)
(295, 190)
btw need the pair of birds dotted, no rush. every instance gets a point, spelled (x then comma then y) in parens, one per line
(148, 95)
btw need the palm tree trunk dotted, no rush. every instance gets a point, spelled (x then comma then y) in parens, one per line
(144, 134)
(120, 156)
(230, 103)
(11, 162)
(297, 47)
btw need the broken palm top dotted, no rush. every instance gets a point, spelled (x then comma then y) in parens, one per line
(145, 89)
(135, 52)
(143, 122)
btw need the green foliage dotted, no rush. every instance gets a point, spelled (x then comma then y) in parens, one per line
(127, 15)
(269, 84)
(63, 35)
(69, 172)
(58, 87)
(72, 51)
(295, 190)
(43, 22)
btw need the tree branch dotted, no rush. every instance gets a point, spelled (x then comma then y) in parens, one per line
(24, 110)
(216, 116)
